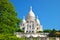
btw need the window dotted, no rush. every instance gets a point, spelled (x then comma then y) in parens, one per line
(24, 28)
(27, 21)
(30, 26)
(23, 24)
(37, 28)
(27, 26)
(31, 21)
(37, 24)
(32, 31)
(29, 31)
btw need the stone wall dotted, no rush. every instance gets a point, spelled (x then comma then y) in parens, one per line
(37, 36)
(45, 38)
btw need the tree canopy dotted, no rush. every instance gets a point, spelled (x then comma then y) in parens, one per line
(8, 17)
(47, 30)
(9, 23)
(54, 33)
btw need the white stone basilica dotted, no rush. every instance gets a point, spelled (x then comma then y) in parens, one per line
(31, 24)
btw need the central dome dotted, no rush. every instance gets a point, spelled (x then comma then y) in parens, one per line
(31, 13)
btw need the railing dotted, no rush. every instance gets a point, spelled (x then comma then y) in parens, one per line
(29, 36)
(32, 33)
(44, 38)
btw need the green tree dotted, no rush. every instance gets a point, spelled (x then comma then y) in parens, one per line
(9, 22)
(52, 33)
(47, 30)
(8, 17)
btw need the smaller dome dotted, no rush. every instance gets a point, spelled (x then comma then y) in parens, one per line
(38, 20)
(23, 21)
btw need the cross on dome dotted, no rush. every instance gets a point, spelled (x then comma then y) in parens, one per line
(31, 13)
(31, 8)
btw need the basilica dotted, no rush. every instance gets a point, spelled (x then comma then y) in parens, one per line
(31, 26)
(31, 23)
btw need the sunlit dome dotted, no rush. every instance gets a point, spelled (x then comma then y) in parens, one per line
(23, 21)
(38, 20)
(31, 13)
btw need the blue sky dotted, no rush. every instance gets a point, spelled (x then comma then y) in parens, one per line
(48, 11)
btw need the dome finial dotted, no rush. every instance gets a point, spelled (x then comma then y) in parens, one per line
(23, 21)
(23, 17)
(30, 7)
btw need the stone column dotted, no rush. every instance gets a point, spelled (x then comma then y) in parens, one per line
(30, 38)
(25, 28)
(47, 38)
(57, 38)
(39, 38)
(31, 27)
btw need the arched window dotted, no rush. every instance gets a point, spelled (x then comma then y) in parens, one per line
(22, 24)
(37, 24)
(27, 31)
(24, 28)
(32, 26)
(37, 28)
(32, 31)
(27, 26)
(27, 21)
